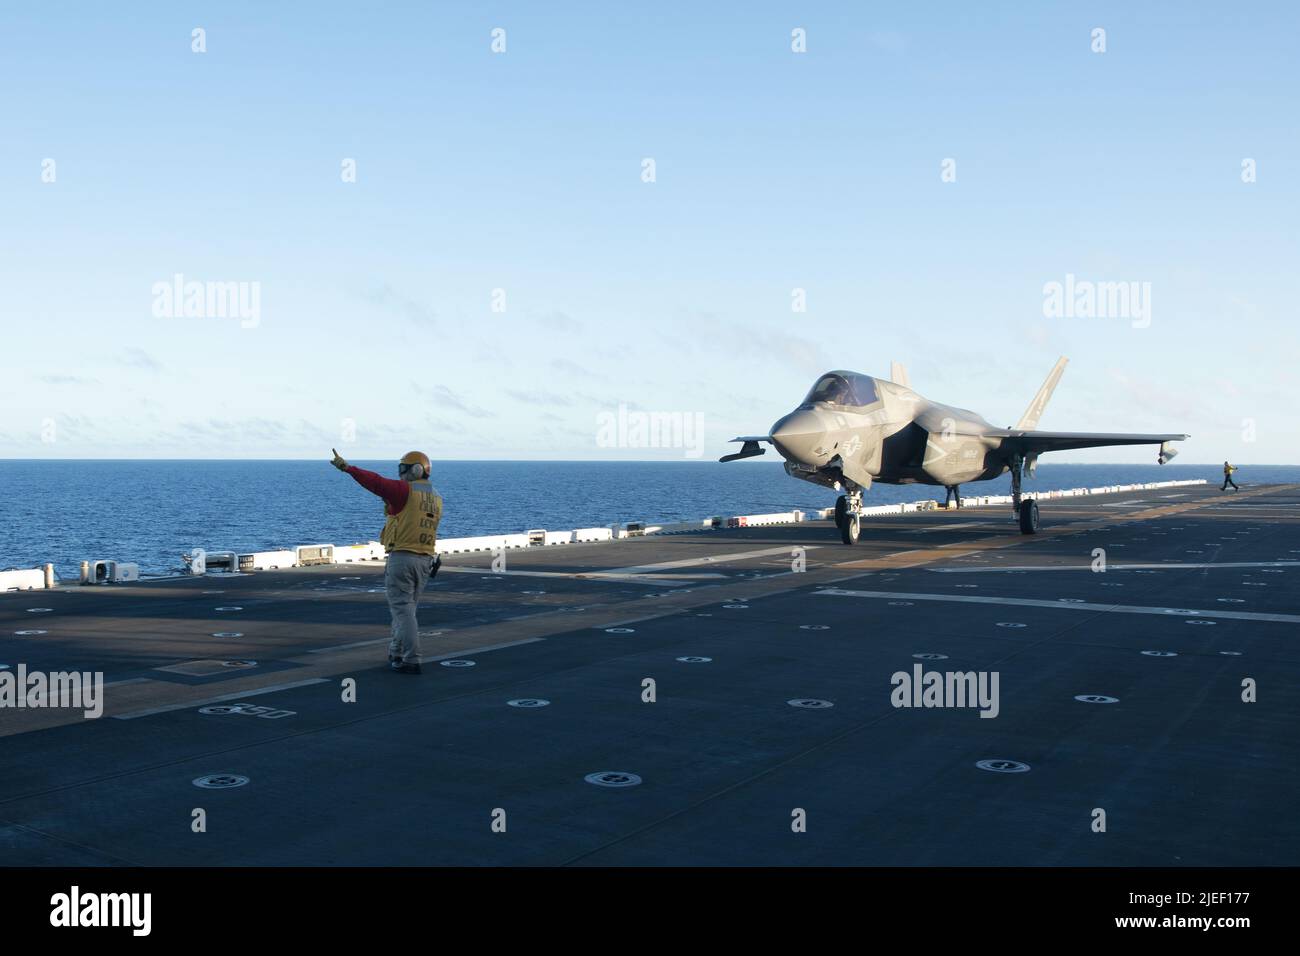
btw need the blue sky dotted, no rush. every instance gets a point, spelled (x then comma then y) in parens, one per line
(522, 171)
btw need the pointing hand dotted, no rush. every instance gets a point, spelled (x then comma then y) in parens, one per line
(338, 461)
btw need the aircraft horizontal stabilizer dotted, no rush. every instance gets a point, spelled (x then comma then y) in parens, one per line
(749, 449)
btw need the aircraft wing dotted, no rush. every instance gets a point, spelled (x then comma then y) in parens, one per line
(1034, 442)
(1027, 441)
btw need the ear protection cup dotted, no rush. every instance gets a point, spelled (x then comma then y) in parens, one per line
(414, 466)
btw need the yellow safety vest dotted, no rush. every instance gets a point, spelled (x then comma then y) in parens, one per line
(415, 527)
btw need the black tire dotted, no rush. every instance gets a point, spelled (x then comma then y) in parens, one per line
(850, 529)
(1029, 516)
(841, 509)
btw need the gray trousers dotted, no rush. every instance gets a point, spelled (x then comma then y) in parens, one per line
(405, 577)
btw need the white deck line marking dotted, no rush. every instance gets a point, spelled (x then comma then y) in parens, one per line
(216, 700)
(384, 640)
(1122, 567)
(895, 554)
(636, 620)
(306, 683)
(645, 573)
(345, 647)
(1184, 613)
(950, 527)
(711, 559)
(481, 650)
(1225, 511)
(664, 580)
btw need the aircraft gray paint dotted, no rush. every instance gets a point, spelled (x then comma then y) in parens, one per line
(853, 429)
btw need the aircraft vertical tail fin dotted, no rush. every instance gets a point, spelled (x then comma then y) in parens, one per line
(1029, 420)
(898, 374)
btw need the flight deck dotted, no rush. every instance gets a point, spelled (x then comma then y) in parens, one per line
(723, 696)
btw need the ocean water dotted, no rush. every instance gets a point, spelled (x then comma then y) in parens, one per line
(151, 512)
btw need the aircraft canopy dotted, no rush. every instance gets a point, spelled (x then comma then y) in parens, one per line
(844, 388)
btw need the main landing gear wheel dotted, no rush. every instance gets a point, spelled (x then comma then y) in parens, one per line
(848, 516)
(1029, 516)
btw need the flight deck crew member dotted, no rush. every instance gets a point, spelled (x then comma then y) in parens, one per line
(412, 510)
(1227, 477)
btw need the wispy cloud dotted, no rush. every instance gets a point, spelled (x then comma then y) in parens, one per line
(68, 380)
(1164, 405)
(539, 398)
(389, 298)
(805, 355)
(447, 399)
(560, 322)
(139, 359)
(255, 431)
(566, 366)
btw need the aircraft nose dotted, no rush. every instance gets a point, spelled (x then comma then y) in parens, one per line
(799, 436)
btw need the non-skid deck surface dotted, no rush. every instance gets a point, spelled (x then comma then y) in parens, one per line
(419, 769)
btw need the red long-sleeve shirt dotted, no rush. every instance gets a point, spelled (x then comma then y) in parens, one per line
(394, 491)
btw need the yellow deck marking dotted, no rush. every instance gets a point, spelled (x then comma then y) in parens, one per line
(364, 661)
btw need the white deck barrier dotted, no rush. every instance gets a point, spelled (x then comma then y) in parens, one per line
(267, 560)
(112, 572)
(309, 555)
(758, 521)
(487, 542)
(540, 537)
(226, 561)
(22, 580)
(352, 553)
(328, 554)
(678, 527)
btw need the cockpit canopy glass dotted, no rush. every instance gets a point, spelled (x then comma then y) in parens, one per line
(844, 388)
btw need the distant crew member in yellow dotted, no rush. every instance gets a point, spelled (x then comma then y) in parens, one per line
(1227, 477)
(412, 510)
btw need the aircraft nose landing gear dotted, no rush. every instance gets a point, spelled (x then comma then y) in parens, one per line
(848, 518)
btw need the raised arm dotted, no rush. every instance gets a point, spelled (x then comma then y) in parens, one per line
(392, 490)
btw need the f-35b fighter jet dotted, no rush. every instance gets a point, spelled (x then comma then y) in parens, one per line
(853, 429)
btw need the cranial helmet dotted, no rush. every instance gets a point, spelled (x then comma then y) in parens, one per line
(413, 466)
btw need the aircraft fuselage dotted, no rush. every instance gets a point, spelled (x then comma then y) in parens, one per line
(853, 430)
(900, 438)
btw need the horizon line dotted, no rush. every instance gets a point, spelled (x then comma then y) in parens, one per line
(617, 461)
